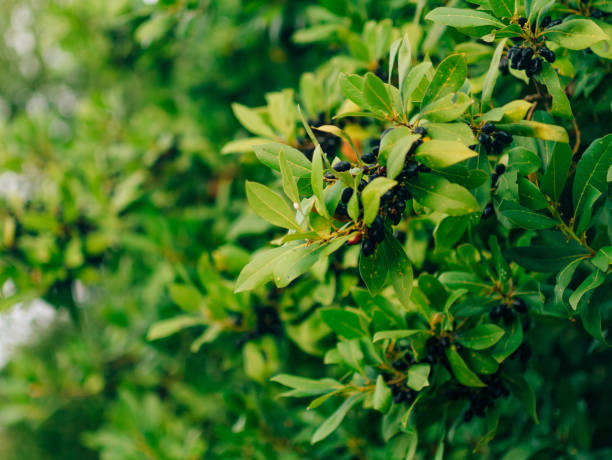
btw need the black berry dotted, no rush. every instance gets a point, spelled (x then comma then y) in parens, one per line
(547, 54)
(368, 247)
(368, 158)
(504, 137)
(488, 128)
(522, 21)
(484, 139)
(420, 130)
(342, 166)
(346, 194)
(500, 169)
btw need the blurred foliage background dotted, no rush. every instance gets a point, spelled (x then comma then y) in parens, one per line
(113, 114)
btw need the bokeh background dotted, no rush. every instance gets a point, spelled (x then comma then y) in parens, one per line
(113, 114)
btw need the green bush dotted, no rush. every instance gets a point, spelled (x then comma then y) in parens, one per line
(438, 288)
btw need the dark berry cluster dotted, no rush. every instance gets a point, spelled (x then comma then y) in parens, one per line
(492, 139)
(480, 398)
(505, 312)
(435, 349)
(526, 56)
(402, 394)
(392, 203)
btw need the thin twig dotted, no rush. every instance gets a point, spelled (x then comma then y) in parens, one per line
(577, 131)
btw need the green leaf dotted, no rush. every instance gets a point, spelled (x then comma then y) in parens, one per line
(449, 77)
(306, 387)
(449, 230)
(510, 112)
(316, 181)
(448, 108)
(525, 218)
(416, 83)
(370, 197)
(463, 17)
(545, 259)
(536, 129)
(253, 121)
(345, 323)
(167, 327)
(560, 103)
(400, 270)
(535, 8)
(493, 72)
(460, 174)
(403, 60)
(374, 269)
(481, 362)
(187, 297)
(269, 154)
(462, 373)
(525, 161)
(260, 269)
(576, 34)
(502, 8)
(295, 262)
(556, 172)
(281, 108)
(243, 145)
(441, 154)
(270, 206)
(377, 95)
(289, 184)
(440, 195)
(591, 171)
(510, 342)
(530, 195)
(352, 87)
(591, 320)
(481, 337)
(583, 219)
(458, 132)
(417, 376)
(209, 335)
(593, 281)
(330, 425)
(397, 334)
(393, 149)
(564, 277)
(467, 280)
(381, 400)
(603, 258)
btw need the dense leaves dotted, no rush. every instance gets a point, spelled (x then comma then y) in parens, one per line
(415, 239)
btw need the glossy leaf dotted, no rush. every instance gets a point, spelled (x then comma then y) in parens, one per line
(461, 371)
(440, 195)
(271, 206)
(333, 422)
